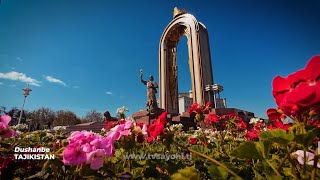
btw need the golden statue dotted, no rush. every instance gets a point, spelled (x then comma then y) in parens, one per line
(177, 12)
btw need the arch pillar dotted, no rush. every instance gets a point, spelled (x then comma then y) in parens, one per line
(199, 59)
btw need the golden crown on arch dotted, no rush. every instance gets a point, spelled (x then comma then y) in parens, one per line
(177, 12)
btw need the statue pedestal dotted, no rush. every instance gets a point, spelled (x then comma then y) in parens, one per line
(143, 116)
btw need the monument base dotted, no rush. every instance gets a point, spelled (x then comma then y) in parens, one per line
(146, 117)
(186, 119)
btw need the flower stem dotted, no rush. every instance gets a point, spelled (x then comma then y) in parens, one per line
(304, 161)
(273, 168)
(215, 161)
(294, 168)
(286, 156)
(314, 170)
(204, 137)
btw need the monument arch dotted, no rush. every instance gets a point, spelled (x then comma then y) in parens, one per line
(199, 59)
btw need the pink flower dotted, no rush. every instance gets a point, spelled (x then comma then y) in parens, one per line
(120, 130)
(95, 159)
(5, 130)
(98, 142)
(5, 119)
(141, 128)
(141, 131)
(114, 135)
(87, 147)
(73, 154)
(81, 137)
(300, 158)
(108, 147)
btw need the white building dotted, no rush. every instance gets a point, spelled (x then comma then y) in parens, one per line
(185, 101)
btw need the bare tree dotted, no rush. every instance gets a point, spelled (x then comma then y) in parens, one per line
(40, 118)
(14, 113)
(93, 116)
(2, 110)
(66, 118)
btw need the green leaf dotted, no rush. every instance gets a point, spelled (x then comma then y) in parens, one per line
(274, 177)
(200, 149)
(235, 178)
(141, 162)
(307, 139)
(277, 136)
(288, 172)
(217, 172)
(188, 173)
(258, 176)
(248, 150)
(137, 172)
(267, 145)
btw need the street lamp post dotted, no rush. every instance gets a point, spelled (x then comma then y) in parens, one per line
(209, 89)
(216, 90)
(26, 92)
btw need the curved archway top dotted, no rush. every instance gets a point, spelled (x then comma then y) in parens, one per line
(187, 20)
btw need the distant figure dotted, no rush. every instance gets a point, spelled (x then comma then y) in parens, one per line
(151, 92)
(49, 125)
(107, 117)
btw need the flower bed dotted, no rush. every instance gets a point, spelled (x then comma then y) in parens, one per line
(223, 147)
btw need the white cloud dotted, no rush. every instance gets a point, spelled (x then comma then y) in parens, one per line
(16, 76)
(76, 87)
(19, 59)
(109, 92)
(55, 80)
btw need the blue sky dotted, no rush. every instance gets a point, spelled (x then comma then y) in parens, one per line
(82, 55)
